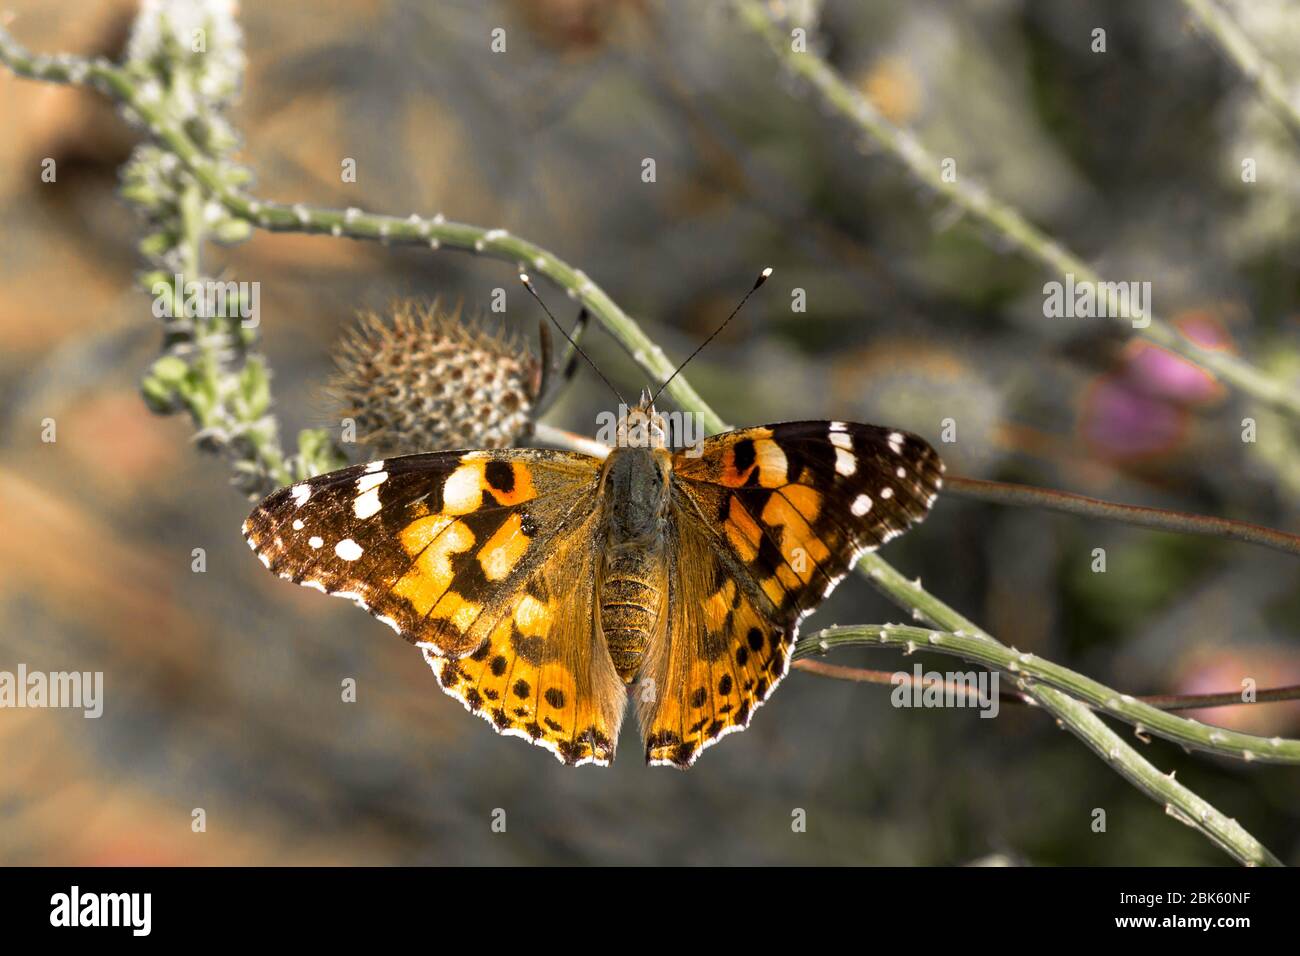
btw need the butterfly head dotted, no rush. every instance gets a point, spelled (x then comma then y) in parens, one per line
(642, 426)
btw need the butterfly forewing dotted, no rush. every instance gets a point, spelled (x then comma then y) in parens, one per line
(426, 543)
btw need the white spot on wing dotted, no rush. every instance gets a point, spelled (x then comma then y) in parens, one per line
(375, 466)
(300, 494)
(373, 480)
(297, 524)
(315, 541)
(462, 492)
(845, 463)
(366, 505)
(348, 550)
(861, 505)
(886, 493)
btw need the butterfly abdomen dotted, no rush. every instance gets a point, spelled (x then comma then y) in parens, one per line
(632, 582)
(630, 600)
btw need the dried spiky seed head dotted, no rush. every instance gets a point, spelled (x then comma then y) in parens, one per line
(425, 380)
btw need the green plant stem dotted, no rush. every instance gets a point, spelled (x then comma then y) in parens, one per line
(1003, 219)
(1025, 669)
(435, 232)
(1004, 493)
(1258, 70)
(864, 675)
(1075, 716)
(1180, 802)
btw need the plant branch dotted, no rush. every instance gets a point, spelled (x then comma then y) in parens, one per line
(560, 438)
(1029, 669)
(1003, 219)
(1163, 519)
(1026, 669)
(864, 675)
(1269, 695)
(1075, 716)
(1254, 66)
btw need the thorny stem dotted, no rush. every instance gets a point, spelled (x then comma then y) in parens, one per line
(1003, 493)
(1256, 68)
(434, 232)
(1028, 669)
(1180, 803)
(1003, 219)
(865, 675)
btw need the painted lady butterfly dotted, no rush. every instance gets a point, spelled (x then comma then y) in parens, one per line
(546, 587)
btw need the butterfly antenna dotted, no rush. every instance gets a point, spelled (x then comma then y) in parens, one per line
(529, 286)
(762, 277)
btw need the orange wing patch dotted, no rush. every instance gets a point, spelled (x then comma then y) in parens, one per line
(798, 503)
(762, 461)
(724, 656)
(542, 674)
(484, 474)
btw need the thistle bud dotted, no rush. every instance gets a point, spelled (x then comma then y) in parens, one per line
(428, 381)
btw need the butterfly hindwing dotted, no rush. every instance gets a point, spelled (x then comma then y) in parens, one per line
(723, 651)
(544, 674)
(767, 521)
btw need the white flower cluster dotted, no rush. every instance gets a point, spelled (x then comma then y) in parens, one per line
(186, 58)
(200, 37)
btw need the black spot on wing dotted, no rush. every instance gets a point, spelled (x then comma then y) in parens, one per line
(744, 455)
(500, 475)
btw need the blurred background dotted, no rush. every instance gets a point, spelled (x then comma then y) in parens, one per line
(223, 688)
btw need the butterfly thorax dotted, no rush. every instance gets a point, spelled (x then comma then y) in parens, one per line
(631, 583)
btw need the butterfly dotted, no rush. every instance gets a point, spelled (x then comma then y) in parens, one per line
(546, 587)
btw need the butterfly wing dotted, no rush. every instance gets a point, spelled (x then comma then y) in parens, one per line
(457, 552)
(766, 522)
(544, 673)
